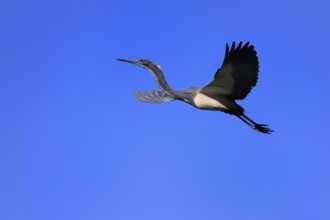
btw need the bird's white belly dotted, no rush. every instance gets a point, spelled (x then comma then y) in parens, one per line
(204, 102)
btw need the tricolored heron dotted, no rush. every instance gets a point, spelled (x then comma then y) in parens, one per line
(233, 81)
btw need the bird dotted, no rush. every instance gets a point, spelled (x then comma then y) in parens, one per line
(232, 81)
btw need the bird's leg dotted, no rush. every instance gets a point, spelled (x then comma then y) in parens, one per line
(249, 119)
(246, 122)
(258, 127)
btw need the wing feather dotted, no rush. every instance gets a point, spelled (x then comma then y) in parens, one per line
(237, 75)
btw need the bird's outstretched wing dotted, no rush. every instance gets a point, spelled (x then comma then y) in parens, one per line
(237, 75)
(152, 96)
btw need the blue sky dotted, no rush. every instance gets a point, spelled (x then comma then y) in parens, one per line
(75, 144)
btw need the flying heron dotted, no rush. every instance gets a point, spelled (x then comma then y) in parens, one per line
(233, 81)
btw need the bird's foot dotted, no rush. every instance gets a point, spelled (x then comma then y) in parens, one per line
(263, 128)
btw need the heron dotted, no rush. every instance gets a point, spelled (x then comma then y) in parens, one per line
(232, 81)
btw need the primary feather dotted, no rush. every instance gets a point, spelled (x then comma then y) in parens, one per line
(237, 75)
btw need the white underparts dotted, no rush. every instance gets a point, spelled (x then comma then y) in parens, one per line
(204, 102)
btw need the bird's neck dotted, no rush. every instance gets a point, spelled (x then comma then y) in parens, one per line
(165, 87)
(162, 83)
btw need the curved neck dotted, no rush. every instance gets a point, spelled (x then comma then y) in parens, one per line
(160, 79)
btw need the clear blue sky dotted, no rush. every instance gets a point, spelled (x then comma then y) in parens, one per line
(75, 144)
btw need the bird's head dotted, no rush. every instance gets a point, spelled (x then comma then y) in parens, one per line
(147, 64)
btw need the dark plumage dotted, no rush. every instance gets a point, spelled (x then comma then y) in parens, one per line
(237, 75)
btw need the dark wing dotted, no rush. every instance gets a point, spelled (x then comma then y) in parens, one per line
(237, 75)
(152, 96)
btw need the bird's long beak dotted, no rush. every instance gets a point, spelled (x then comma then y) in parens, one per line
(129, 61)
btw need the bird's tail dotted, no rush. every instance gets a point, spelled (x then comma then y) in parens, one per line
(263, 128)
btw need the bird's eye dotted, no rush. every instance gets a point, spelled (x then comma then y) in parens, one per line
(144, 61)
